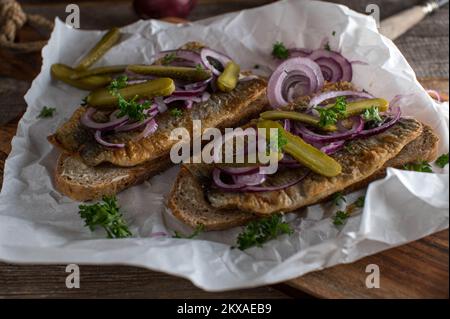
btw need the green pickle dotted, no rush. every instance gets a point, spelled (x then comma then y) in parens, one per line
(358, 107)
(296, 116)
(104, 99)
(229, 78)
(64, 73)
(98, 71)
(174, 72)
(305, 153)
(106, 43)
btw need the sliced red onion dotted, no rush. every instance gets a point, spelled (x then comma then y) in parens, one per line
(196, 85)
(331, 70)
(312, 137)
(249, 179)
(100, 140)
(219, 183)
(240, 170)
(287, 125)
(133, 126)
(288, 74)
(332, 147)
(181, 54)
(205, 96)
(87, 121)
(222, 58)
(149, 128)
(193, 92)
(274, 188)
(319, 98)
(392, 119)
(173, 98)
(344, 64)
(162, 106)
(435, 95)
(299, 52)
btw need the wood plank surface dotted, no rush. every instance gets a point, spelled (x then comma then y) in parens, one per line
(416, 270)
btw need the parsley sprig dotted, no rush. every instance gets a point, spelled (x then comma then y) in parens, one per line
(47, 112)
(330, 115)
(420, 166)
(168, 58)
(279, 51)
(341, 216)
(134, 110)
(372, 114)
(105, 214)
(118, 83)
(442, 160)
(338, 198)
(198, 230)
(277, 141)
(176, 112)
(258, 232)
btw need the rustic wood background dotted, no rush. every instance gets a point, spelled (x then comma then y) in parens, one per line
(417, 270)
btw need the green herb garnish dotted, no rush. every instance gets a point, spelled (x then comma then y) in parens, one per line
(168, 58)
(340, 218)
(46, 112)
(327, 46)
(134, 110)
(330, 115)
(199, 229)
(260, 231)
(277, 141)
(333, 33)
(338, 198)
(421, 166)
(442, 160)
(279, 51)
(360, 202)
(372, 115)
(84, 101)
(199, 67)
(176, 112)
(118, 83)
(106, 215)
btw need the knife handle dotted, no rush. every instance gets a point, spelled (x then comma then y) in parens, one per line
(395, 26)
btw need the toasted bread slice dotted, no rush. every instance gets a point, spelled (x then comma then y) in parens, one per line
(189, 204)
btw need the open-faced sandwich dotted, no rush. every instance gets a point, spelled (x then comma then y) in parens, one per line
(120, 136)
(331, 137)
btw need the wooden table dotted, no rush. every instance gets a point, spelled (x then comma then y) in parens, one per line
(417, 270)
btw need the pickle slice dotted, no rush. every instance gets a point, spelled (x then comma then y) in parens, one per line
(98, 71)
(358, 107)
(296, 116)
(174, 72)
(64, 73)
(305, 153)
(229, 78)
(103, 99)
(105, 43)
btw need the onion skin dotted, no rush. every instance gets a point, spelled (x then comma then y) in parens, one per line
(156, 9)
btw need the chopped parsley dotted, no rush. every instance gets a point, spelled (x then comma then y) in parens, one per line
(47, 112)
(330, 115)
(442, 160)
(340, 218)
(258, 232)
(327, 46)
(372, 115)
(176, 112)
(338, 198)
(118, 83)
(84, 101)
(279, 51)
(199, 67)
(134, 110)
(168, 58)
(333, 33)
(199, 229)
(421, 166)
(106, 215)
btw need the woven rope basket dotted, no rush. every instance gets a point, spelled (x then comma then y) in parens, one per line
(12, 19)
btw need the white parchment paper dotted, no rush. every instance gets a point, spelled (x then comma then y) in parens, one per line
(38, 225)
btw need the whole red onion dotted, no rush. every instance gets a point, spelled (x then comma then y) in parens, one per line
(163, 8)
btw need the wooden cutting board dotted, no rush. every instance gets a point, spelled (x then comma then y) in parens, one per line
(416, 270)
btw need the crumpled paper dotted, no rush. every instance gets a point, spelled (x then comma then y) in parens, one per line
(39, 225)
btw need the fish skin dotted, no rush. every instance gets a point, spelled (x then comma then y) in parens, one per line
(361, 159)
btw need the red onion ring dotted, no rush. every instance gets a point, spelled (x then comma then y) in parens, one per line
(319, 98)
(332, 148)
(219, 183)
(182, 54)
(87, 121)
(435, 95)
(150, 128)
(133, 126)
(395, 116)
(331, 70)
(222, 58)
(299, 69)
(344, 64)
(172, 98)
(274, 188)
(101, 141)
(312, 137)
(249, 179)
